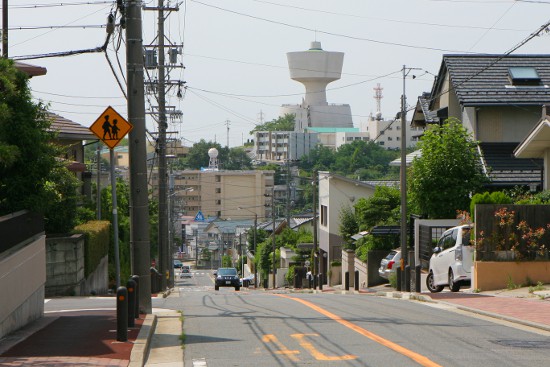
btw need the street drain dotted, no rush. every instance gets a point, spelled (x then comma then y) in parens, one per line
(531, 344)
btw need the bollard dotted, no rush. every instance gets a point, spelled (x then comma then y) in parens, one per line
(131, 287)
(417, 272)
(346, 281)
(122, 314)
(356, 279)
(320, 282)
(407, 278)
(398, 285)
(136, 309)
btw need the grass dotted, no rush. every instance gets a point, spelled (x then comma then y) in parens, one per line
(538, 287)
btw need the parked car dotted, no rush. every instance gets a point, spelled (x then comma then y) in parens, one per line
(186, 272)
(227, 277)
(177, 264)
(451, 261)
(389, 264)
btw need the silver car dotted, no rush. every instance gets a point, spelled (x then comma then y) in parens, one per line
(389, 264)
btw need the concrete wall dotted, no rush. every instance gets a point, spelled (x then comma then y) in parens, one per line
(22, 279)
(65, 269)
(490, 275)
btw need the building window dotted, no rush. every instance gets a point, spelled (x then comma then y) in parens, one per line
(324, 212)
(390, 138)
(218, 178)
(218, 190)
(397, 138)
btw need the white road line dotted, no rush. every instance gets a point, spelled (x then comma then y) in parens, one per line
(200, 362)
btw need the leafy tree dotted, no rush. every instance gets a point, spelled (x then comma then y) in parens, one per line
(447, 173)
(348, 227)
(238, 159)
(198, 154)
(284, 123)
(31, 176)
(384, 207)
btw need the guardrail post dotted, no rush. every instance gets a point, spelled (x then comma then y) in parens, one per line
(131, 287)
(407, 278)
(122, 314)
(136, 310)
(418, 277)
(398, 274)
(346, 280)
(320, 281)
(356, 280)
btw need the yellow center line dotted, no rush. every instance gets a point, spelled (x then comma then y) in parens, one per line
(420, 359)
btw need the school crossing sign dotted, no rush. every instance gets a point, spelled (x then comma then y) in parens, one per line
(111, 127)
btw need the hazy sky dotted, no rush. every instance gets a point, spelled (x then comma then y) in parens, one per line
(235, 53)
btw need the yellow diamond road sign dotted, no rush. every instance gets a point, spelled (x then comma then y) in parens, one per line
(110, 127)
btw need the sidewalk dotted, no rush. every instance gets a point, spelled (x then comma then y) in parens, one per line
(88, 338)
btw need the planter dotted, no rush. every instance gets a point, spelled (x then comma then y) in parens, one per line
(493, 275)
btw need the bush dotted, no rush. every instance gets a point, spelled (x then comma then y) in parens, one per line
(96, 244)
(371, 243)
(496, 197)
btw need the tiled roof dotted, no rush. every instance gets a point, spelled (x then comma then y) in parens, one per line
(504, 169)
(484, 79)
(70, 130)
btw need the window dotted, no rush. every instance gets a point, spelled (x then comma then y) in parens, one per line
(324, 213)
(523, 75)
(218, 190)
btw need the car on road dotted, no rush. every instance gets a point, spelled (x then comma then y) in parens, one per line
(389, 264)
(227, 277)
(186, 272)
(452, 260)
(177, 264)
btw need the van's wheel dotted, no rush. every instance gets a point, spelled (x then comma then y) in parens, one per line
(454, 287)
(431, 285)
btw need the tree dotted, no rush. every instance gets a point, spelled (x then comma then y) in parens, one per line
(31, 175)
(447, 173)
(348, 226)
(284, 123)
(198, 154)
(238, 159)
(381, 208)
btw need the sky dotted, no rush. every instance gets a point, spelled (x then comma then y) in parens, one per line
(234, 54)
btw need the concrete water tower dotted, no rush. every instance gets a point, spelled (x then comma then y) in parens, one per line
(213, 163)
(315, 69)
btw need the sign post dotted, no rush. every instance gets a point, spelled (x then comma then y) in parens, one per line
(111, 128)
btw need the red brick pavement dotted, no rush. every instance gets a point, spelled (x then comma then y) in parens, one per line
(83, 338)
(533, 310)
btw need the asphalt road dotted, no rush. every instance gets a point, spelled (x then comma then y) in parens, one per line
(258, 328)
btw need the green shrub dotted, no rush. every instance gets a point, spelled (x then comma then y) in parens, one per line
(97, 234)
(371, 243)
(393, 280)
(496, 197)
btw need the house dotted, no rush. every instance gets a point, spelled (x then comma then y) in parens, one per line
(498, 98)
(335, 193)
(537, 145)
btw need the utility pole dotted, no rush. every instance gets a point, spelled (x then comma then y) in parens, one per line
(159, 87)
(227, 123)
(164, 251)
(316, 266)
(255, 267)
(403, 179)
(274, 228)
(288, 192)
(139, 200)
(5, 29)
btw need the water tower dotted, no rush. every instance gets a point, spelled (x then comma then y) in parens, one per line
(315, 69)
(213, 154)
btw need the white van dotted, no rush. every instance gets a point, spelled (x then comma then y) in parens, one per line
(451, 261)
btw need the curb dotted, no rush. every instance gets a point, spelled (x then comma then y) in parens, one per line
(141, 344)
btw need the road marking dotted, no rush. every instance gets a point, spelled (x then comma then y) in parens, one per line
(199, 362)
(317, 354)
(420, 359)
(282, 349)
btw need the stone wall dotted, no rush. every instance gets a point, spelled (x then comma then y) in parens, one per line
(65, 269)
